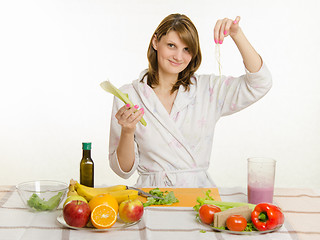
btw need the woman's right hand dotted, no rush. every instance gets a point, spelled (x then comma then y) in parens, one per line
(128, 116)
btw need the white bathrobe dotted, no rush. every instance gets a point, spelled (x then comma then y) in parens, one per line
(174, 149)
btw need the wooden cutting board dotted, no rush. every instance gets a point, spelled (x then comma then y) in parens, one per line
(187, 196)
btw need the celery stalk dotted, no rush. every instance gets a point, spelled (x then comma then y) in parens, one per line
(227, 205)
(223, 205)
(107, 86)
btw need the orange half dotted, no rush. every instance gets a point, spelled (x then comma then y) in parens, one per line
(103, 216)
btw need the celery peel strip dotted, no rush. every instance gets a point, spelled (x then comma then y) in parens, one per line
(110, 88)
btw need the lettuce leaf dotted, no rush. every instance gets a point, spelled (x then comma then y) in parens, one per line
(168, 198)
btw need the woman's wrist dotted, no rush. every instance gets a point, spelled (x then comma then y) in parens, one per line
(238, 37)
(127, 132)
(251, 58)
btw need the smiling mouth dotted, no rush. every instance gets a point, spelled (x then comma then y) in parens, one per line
(175, 63)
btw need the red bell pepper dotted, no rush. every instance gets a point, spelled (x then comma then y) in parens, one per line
(266, 216)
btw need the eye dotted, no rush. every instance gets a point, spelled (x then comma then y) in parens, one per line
(187, 50)
(170, 45)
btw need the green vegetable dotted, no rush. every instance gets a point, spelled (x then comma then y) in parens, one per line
(250, 227)
(203, 231)
(168, 198)
(41, 205)
(222, 228)
(107, 86)
(223, 205)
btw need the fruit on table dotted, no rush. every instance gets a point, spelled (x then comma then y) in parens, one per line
(124, 195)
(106, 199)
(96, 191)
(236, 223)
(117, 191)
(74, 197)
(76, 213)
(206, 213)
(103, 216)
(72, 191)
(131, 210)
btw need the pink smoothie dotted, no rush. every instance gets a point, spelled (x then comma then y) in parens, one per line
(260, 194)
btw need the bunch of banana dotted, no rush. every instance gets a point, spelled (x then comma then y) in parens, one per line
(120, 192)
(72, 191)
(73, 194)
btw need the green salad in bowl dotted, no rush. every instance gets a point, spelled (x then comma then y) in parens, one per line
(43, 195)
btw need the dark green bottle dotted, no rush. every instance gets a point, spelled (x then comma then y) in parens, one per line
(86, 166)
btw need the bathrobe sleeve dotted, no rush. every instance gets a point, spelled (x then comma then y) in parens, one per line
(235, 94)
(115, 131)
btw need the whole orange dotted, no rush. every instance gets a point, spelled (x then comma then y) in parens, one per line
(105, 199)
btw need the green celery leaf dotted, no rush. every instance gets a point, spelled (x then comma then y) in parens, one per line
(109, 87)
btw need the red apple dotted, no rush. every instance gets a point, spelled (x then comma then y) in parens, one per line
(131, 210)
(76, 213)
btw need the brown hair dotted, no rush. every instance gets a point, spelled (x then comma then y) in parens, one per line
(189, 35)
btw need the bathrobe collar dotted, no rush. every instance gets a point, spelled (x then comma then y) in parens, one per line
(158, 111)
(183, 98)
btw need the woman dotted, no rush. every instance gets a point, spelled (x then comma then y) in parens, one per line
(180, 107)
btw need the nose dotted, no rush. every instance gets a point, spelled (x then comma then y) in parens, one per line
(178, 56)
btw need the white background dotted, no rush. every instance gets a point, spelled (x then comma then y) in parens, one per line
(54, 54)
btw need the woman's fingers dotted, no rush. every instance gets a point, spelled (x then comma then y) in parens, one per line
(122, 110)
(129, 112)
(129, 116)
(138, 115)
(216, 31)
(134, 116)
(237, 20)
(222, 31)
(225, 27)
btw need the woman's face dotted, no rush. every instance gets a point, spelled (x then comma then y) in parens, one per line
(173, 54)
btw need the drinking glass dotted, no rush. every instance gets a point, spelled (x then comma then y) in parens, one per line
(261, 175)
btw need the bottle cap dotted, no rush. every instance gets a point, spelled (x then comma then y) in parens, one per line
(86, 146)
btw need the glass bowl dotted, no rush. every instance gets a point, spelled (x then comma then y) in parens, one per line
(43, 195)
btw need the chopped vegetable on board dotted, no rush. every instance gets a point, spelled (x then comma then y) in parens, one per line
(168, 198)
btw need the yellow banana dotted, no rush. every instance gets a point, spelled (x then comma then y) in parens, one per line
(124, 195)
(72, 191)
(118, 191)
(100, 190)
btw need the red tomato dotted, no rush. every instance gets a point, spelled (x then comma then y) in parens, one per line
(236, 223)
(206, 213)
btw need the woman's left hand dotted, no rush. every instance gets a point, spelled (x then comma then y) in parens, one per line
(225, 27)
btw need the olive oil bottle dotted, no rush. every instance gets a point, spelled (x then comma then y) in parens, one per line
(86, 166)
